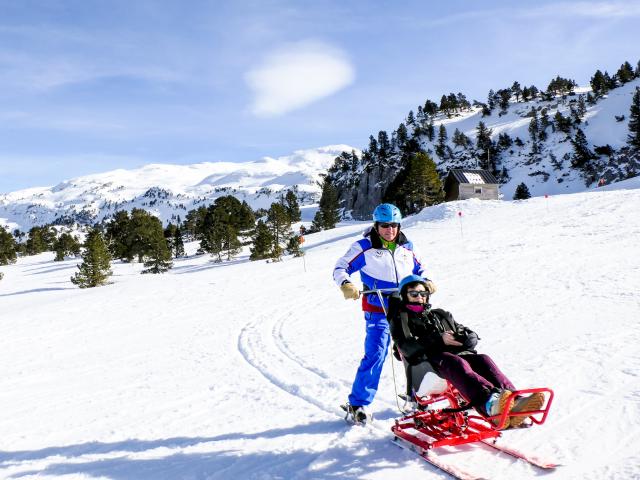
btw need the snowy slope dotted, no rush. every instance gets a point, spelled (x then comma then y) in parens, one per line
(236, 370)
(169, 191)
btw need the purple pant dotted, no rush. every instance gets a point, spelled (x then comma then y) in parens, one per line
(474, 375)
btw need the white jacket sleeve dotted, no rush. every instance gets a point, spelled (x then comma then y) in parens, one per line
(348, 263)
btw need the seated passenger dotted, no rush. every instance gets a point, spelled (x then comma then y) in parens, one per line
(425, 334)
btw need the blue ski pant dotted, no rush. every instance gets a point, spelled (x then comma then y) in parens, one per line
(376, 344)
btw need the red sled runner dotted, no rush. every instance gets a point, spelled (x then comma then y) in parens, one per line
(442, 419)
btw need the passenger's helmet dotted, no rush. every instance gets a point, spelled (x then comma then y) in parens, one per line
(409, 280)
(387, 213)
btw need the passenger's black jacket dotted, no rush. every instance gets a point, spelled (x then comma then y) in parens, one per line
(425, 332)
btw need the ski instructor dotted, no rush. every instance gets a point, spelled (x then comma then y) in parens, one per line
(383, 257)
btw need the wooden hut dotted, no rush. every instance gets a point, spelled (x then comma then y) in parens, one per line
(462, 183)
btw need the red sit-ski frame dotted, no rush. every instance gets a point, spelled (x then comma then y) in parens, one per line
(450, 425)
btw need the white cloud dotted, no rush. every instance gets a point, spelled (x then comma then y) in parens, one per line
(297, 75)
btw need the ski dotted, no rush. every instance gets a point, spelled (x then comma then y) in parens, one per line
(433, 459)
(532, 459)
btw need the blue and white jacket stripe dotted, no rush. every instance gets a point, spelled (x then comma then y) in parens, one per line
(378, 266)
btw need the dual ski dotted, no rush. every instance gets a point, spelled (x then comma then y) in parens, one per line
(529, 458)
(460, 474)
(430, 457)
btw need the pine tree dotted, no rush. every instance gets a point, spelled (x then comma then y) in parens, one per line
(418, 186)
(522, 192)
(483, 142)
(317, 223)
(384, 146)
(633, 138)
(141, 232)
(544, 124)
(599, 84)
(292, 206)
(213, 232)
(625, 73)
(442, 142)
(328, 213)
(278, 222)
(463, 103)
(445, 106)
(430, 108)
(178, 243)
(504, 95)
(402, 135)
(169, 236)
(534, 125)
(66, 245)
(411, 120)
(459, 139)
(294, 247)
(504, 141)
(95, 267)
(516, 90)
(582, 155)
(40, 239)
(491, 99)
(193, 221)
(430, 131)
(158, 256)
(117, 236)
(8, 247)
(262, 242)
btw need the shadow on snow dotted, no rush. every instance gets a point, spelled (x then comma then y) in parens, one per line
(342, 459)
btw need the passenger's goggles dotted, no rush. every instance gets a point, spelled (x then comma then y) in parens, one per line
(415, 294)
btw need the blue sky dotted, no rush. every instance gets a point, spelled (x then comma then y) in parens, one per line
(93, 85)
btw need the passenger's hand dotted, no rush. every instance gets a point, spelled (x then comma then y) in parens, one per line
(431, 287)
(449, 339)
(350, 291)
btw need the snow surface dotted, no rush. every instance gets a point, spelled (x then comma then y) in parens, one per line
(236, 370)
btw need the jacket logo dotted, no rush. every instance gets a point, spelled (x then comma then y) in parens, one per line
(379, 253)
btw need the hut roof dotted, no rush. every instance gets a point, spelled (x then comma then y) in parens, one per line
(479, 177)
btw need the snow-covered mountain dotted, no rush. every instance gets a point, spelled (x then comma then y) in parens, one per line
(236, 370)
(169, 191)
(550, 172)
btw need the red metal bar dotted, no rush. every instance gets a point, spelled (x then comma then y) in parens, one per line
(434, 428)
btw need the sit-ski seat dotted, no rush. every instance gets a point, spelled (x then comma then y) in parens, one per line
(422, 380)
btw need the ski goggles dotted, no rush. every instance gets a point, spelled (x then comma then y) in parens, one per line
(416, 294)
(388, 225)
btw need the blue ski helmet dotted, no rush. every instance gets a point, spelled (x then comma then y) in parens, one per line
(387, 213)
(404, 286)
(409, 280)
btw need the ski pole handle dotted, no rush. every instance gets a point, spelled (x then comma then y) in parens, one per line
(380, 290)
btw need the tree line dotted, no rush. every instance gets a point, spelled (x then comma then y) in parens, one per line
(221, 229)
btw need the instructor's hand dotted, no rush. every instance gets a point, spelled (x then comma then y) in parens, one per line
(349, 290)
(431, 287)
